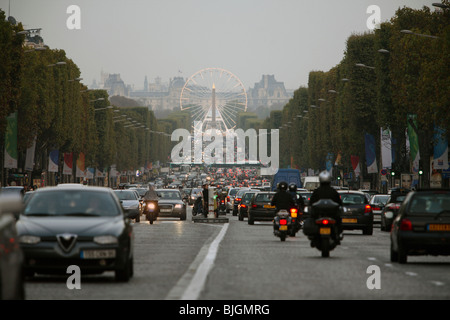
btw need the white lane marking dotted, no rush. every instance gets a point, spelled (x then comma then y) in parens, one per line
(197, 282)
(371, 258)
(412, 274)
(438, 283)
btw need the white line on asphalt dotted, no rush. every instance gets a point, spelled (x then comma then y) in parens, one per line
(438, 283)
(197, 282)
(412, 274)
(371, 258)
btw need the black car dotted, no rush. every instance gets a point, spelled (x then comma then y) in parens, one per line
(11, 256)
(82, 226)
(171, 204)
(422, 226)
(260, 207)
(391, 208)
(357, 212)
(245, 203)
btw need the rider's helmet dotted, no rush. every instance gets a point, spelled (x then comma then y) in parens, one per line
(283, 186)
(293, 187)
(325, 177)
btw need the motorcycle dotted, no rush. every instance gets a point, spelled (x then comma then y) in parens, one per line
(222, 206)
(282, 224)
(151, 211)
(322, 227)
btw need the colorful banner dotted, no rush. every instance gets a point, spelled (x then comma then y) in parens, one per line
(11, 141)
(386, 149)
(440, 152)
(68, 163)
(53, 160)
(99, 174)
(89, 174)
(371, 158)
(413, 142)
(355, 165)
(80, 168)
(29, 159)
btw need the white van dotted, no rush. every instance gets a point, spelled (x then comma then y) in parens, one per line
(311, 183)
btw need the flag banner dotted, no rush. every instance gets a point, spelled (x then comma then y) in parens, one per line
(329, 161)
(413, 142)
(440, 152)
(29, 159)
(53, 160)
(355, 165)
(11, 142)
(371, 158)
(386, 149)
(80, 166)
(113, 172)
(68, 163)
(99, 173)
(89, 173)
(338, 161)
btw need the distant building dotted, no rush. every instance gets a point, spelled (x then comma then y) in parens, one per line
(267, 92)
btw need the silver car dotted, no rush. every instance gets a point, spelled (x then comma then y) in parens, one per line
(230, 198)
(377, 202)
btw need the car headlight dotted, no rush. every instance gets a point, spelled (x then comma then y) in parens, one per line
(178, 206)
(106, 240)
(27, 239)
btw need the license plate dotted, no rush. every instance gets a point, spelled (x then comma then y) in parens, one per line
(439, 227)
(349, 220)
(269, 206)
(325, 231)
(98, 254)
(165, 210)
(283, 228)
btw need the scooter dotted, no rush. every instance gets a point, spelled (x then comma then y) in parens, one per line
(295, 220)
(222, 206)
(282, 224)
(322, 229)
(151, 210)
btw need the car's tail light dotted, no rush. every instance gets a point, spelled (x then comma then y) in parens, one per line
(283, 222)
(254, 205)
(228, 198)
(376, 208)
(405, 225)
(367, 209)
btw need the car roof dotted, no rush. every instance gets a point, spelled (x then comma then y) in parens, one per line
(351, 191)
(74, 187)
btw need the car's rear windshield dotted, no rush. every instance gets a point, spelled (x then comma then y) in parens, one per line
(350, 198)
(72, 202)
(430, 203)
(264, 197)
(232, 192)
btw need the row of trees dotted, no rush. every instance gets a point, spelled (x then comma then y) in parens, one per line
(384, 76)
(54, 108)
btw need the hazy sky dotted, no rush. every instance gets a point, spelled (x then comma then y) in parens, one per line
(138, 38)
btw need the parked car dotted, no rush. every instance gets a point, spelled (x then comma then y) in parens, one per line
(83, 226)
(245, 203)
(377, 202)
(171, 203)
(11, 256)
(131, 203)
(260, 208)
(357, 213)
(422, 226)
(391, 208)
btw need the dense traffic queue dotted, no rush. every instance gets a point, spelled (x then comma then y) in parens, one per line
(92, 227)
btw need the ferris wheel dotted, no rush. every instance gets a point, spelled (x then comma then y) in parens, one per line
(214, 98)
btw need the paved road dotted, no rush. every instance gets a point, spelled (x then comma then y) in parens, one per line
(186, 260)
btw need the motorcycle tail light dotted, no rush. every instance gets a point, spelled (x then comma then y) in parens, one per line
(294, 213)
(283, 222)
(325, 221)
(243, 206)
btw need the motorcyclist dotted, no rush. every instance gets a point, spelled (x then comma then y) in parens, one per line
(282, 199)
(151, 197)
(205, 194)
(297, 198)
(326, 191)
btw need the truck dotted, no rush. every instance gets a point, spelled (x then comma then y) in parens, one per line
(286, 175)
(310, 183)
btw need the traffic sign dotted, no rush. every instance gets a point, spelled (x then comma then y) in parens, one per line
(383, 172)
